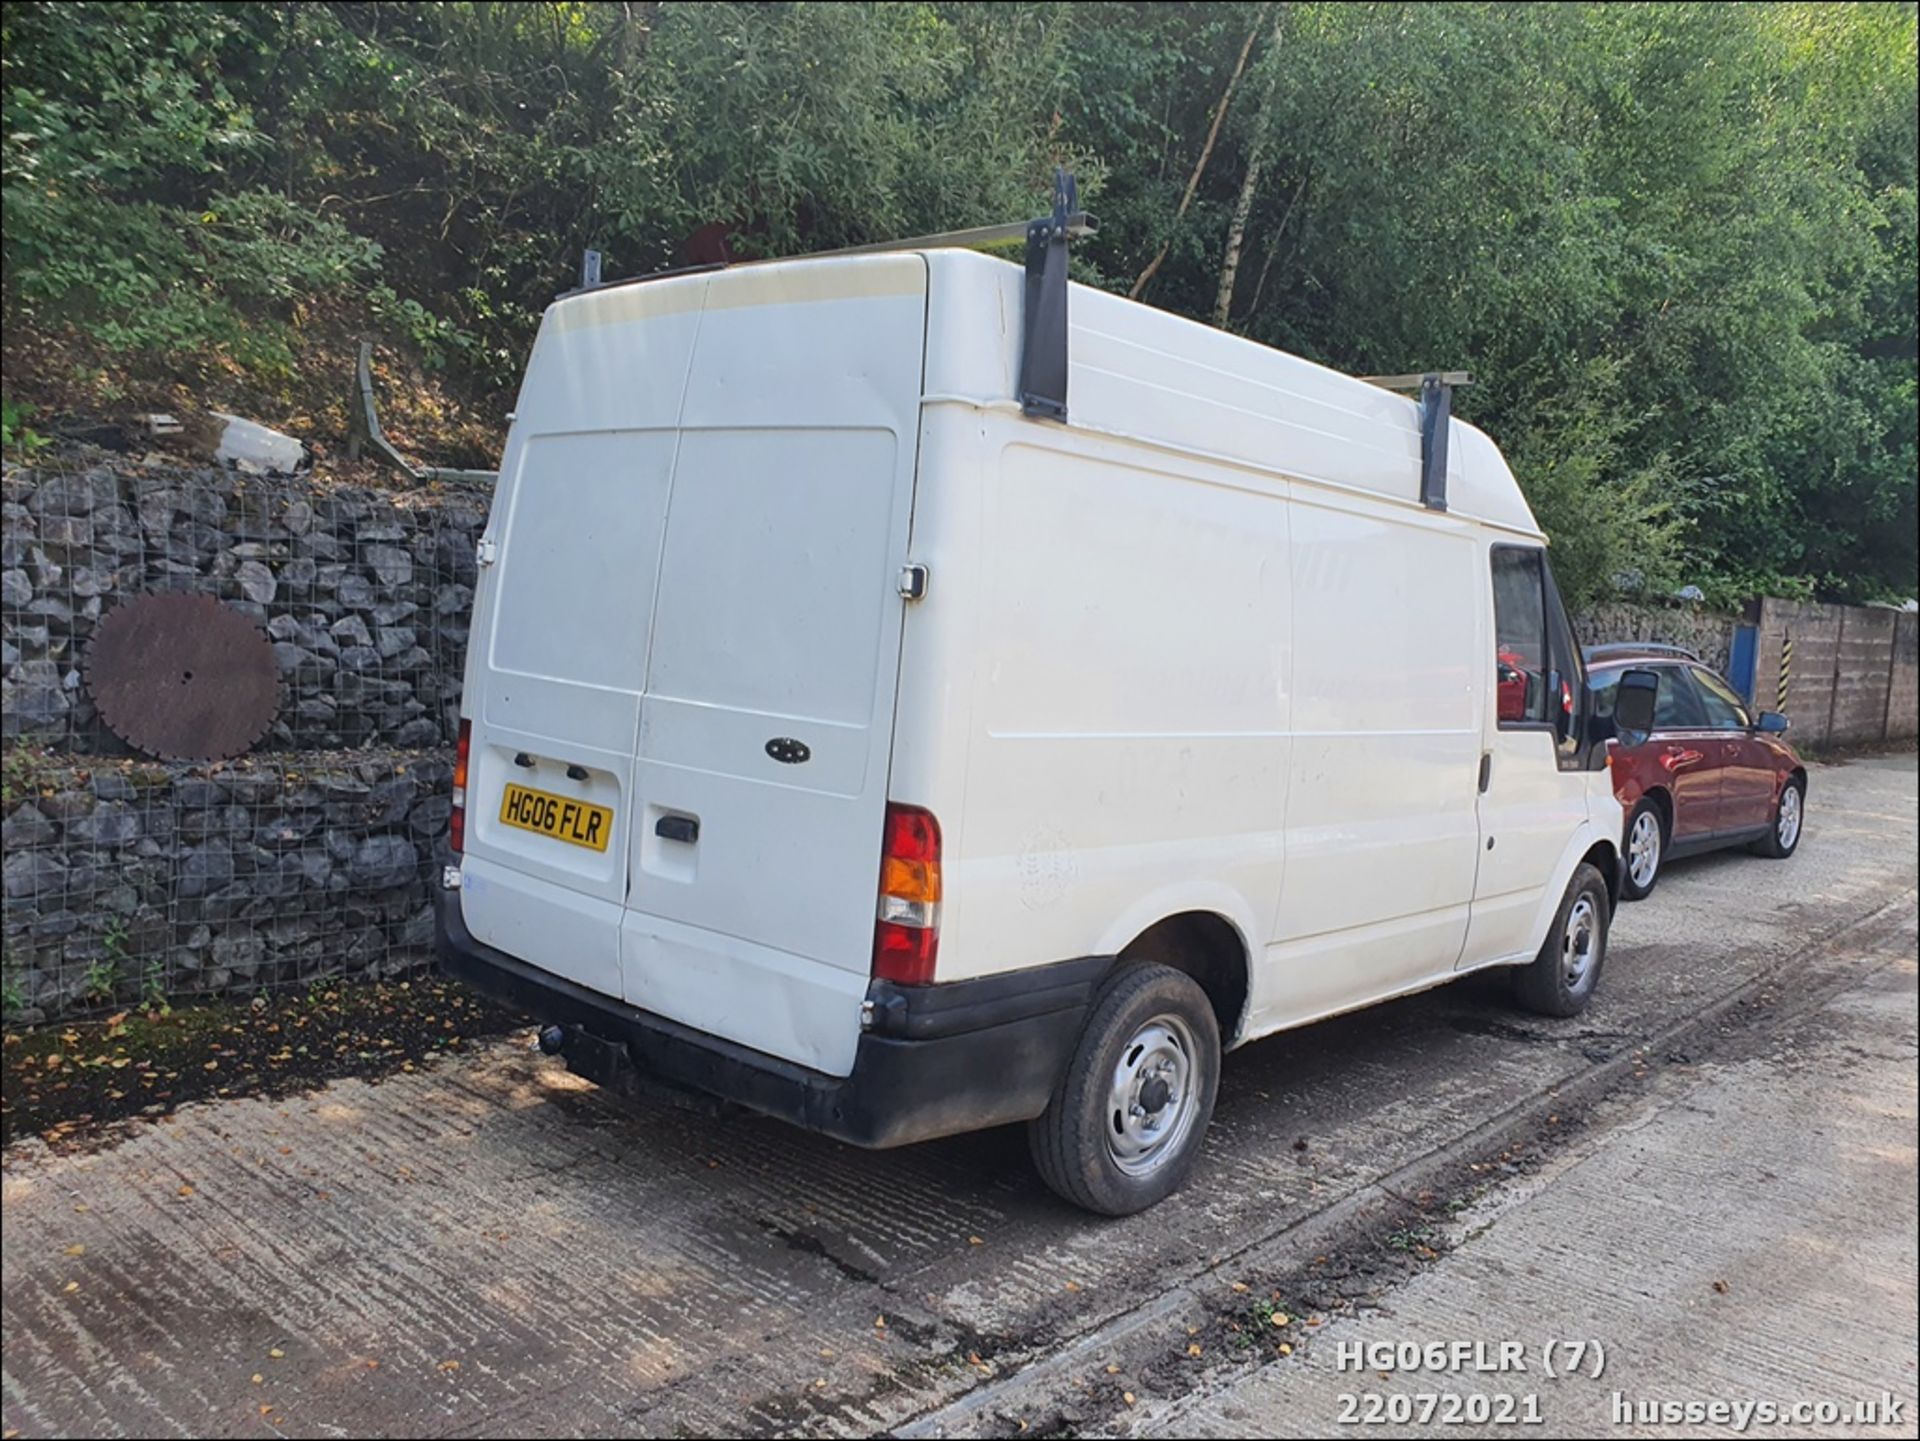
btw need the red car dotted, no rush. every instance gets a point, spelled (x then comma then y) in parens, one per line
(1710, 773)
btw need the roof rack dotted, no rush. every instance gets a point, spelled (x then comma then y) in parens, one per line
(1043, 343)
(1436, 389)
(1619, 648)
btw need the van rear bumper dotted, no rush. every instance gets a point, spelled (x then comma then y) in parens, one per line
(936, 1061)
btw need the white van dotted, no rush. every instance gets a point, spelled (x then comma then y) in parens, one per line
(859, 731)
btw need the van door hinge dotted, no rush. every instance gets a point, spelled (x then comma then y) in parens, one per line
(484, 551)
(913, 582)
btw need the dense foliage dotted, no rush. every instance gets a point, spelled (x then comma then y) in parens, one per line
(1676, 243)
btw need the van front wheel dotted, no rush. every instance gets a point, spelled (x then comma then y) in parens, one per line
(1128, 1113)
(1561, 979)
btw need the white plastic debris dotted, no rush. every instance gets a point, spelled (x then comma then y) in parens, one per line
(257, 449)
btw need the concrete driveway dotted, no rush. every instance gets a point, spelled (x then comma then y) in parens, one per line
(488, 1247)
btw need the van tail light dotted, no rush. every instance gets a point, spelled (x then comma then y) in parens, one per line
(907, 935)
(457, 817)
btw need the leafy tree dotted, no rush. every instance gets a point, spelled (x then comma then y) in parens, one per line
(1675, 242)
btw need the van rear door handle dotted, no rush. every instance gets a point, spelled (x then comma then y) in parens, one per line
(677, 828)
(1486, 770)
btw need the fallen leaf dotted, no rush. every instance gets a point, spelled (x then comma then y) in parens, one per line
(1239, 1286)
(276, 1354)
(184, 1192)
(1073, 1285)
(265, 1407)
(1721, 1287)
(1127, 1396)
(975, 1241)
(1281, 1318)
(1193, 1348)
(71, 1287)
(449, 1365)
(879, 1323)
(1113, 1370)
(76, 1250)
(1284, 1349)
(257, 1378)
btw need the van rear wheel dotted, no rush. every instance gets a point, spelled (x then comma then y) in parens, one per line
(1129, 1112)
(1561, 979)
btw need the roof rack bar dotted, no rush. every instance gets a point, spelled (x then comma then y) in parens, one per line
(1415, 382)
(1078, 224)
(1043, 340)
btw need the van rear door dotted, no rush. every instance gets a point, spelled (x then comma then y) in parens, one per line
(557, 659)
(759, 779)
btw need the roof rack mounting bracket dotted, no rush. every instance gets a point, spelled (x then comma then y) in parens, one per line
(1043, 341)
(1436, 422)
(1436, 389)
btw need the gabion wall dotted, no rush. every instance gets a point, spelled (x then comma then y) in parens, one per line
(128, 879)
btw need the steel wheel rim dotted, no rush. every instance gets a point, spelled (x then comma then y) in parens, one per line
(1788, 826)
(1577, 942)
(1152, 1099)
(1643, 849)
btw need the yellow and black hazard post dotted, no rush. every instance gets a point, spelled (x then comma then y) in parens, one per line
(1786, 671)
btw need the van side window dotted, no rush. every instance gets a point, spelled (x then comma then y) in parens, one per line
(1520, 636)
(1723, 707)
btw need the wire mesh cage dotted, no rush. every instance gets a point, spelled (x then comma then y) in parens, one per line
(130, 876)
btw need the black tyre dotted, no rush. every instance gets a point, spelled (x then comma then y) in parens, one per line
(1643, 850)
(1561, 979)
(1130, 1110)
(1789, 814)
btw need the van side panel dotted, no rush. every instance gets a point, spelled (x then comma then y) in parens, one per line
(1381, 832)
(1127, 698)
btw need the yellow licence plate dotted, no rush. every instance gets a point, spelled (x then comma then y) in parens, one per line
(578, 823)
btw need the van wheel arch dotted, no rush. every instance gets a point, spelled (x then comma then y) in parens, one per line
(1604, 857)
(1208, 947)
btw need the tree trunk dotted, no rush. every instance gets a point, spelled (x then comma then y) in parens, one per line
(1237, 236)
(1249, 183)
(1199, 166)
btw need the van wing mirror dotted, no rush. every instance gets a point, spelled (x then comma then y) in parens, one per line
(1771, 721)
(1633, 702)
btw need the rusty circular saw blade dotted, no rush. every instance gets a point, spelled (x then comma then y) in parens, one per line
(183, 677)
